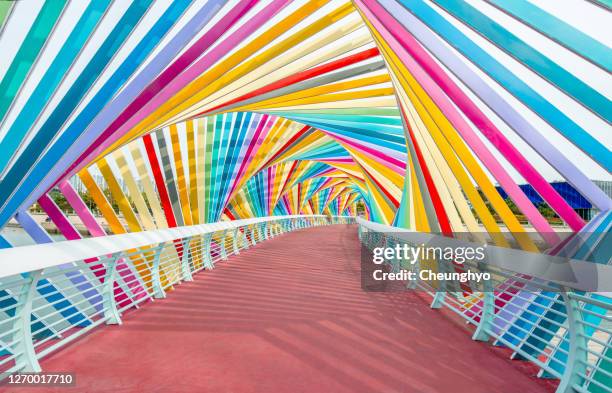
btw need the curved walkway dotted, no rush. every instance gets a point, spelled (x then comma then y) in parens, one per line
(289, 315)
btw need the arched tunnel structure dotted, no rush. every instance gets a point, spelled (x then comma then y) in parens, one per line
(142, 142)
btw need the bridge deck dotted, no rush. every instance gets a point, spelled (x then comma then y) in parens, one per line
(289, 315)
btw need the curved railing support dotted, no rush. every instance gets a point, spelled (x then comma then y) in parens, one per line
(158, 289)
(487, 313)
(24, 348)
(235, 241)
(185, 267)
(111, 313)
(576, 363)
(208, 263)
(222, 249)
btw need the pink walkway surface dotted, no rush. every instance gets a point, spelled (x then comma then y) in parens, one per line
(289, 315)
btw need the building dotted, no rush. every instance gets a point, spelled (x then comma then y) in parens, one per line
(579, 203)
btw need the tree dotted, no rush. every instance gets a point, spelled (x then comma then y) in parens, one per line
(60, 201)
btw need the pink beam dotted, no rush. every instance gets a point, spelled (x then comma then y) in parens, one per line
(452, 114)
(471, 110)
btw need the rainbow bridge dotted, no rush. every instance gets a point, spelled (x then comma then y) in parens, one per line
(188, 190)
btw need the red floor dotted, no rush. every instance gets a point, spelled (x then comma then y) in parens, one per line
(289, 315)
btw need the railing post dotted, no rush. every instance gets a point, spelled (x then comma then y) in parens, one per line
(222, 245)
(185, 268)
(441, 292)
(253, 235)
(235, 241)
(488, 310)
(247, 244)
(412, 284)
(266, 230)
(208, 263)
(577, 352)
(26, 356)
(437, 300)
(111, 313)
(443, 267)
(158, 289)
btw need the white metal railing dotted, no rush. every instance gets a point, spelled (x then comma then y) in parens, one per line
(557, 325)
(51, 294)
